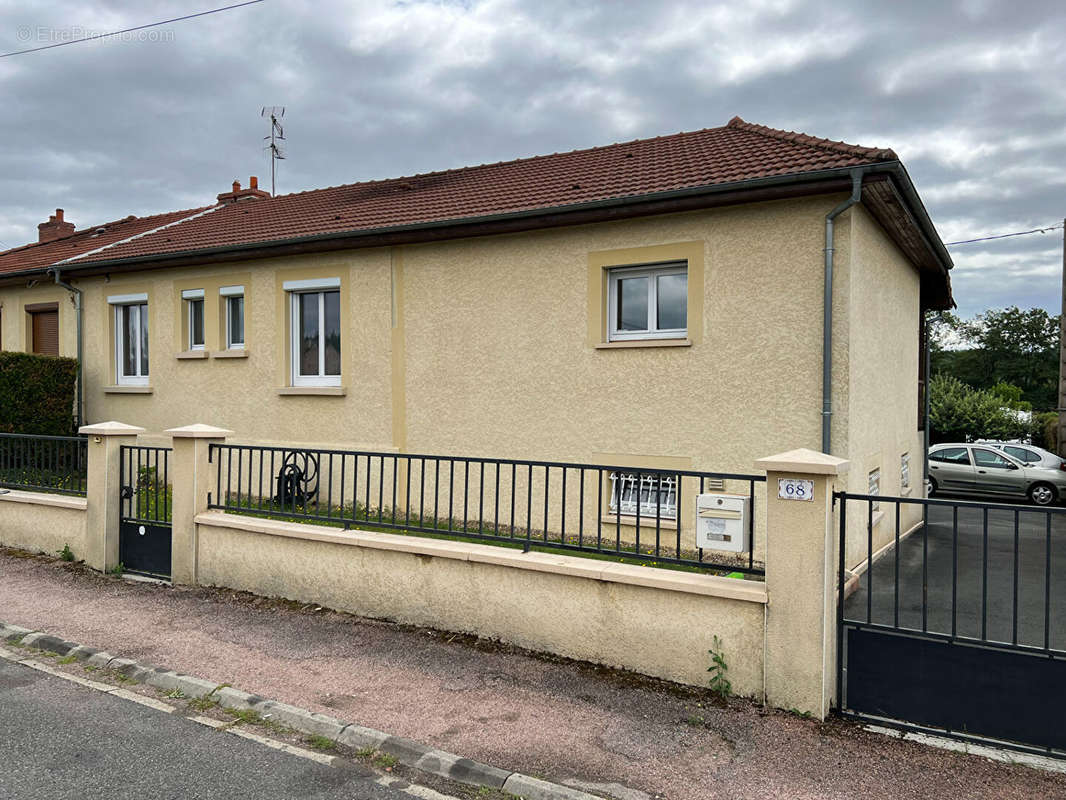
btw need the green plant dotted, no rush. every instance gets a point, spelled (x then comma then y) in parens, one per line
(66, 553)
(695, 721)
(38, 394)
(320, 742)
(365, 752)
(385, 761)
(719, 683)
(175, 694)
(67, 660)
(203, 703)
(118, 569)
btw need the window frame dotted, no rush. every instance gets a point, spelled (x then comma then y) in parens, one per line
(118, 304)
(229, 294)
(192, 298)
(653, 272)
(320, 379)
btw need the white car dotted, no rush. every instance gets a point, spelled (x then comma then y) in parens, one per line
(1030, 455)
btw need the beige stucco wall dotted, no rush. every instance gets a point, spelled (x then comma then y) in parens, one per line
(42, 523)
(486, 346)
(15, 324)
(554, 604)
(882, 374)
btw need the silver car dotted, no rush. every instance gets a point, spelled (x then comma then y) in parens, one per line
(1030, 455)
(982, 469)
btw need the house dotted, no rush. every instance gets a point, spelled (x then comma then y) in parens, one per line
(658, 302)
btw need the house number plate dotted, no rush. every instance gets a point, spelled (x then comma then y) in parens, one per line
(793, 489)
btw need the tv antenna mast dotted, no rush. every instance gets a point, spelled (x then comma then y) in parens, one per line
(276, 133)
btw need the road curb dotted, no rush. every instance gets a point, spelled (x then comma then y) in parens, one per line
(406, 751)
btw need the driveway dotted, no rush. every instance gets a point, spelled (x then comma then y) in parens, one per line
(1001, 593)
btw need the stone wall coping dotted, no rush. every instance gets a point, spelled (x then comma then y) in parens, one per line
(111, 428)
(199, 431)
(574, 566)
(44, 499)
(803, 461)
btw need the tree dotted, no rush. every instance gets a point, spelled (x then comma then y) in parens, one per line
(1019, 347)
(960, 413)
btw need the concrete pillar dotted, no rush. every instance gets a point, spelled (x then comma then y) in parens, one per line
(801, 566)
(102, 491)
(191, 481)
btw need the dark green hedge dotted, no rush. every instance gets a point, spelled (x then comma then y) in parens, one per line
(37, 394)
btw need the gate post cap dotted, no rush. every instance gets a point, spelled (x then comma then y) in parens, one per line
(199, 431)
(111, 428)
(804, 461)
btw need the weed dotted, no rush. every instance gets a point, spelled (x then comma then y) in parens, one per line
(365, 752)
(67, 660)
(385, 761)
(694, 721)
(798, 713)
(720, 684)
(90, 667)
(47, 654)
(118, 569)
(250, 717)
(66, 553)
(175, 694)
(320, 742)
(204, 703)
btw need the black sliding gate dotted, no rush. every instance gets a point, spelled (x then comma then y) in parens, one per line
(959, 626)
(145, 508)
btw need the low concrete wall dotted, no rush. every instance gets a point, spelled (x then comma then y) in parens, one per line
(653, 621)
(43, 522)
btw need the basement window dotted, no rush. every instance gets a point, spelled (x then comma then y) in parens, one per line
(630, 490)
(648, 302)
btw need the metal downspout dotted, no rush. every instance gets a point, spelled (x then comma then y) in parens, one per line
(827, 314)
(57, 276)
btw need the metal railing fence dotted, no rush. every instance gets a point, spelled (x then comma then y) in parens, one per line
(54, 464)
(542, 505)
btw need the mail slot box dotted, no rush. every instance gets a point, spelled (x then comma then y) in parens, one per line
(722, 522)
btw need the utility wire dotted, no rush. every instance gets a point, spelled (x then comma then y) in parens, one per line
(129, 30)
(1005, 235)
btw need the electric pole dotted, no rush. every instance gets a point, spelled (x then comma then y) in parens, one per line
(1062, 352)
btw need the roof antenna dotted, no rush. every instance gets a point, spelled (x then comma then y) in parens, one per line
(275, 113)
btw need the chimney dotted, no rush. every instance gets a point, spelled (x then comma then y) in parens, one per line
(238, 194)
(55, 228)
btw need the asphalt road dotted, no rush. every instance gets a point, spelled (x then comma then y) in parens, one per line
(995, 589)
(60, 740)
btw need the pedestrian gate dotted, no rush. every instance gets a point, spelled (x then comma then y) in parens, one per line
(959, 625)
(145, 510)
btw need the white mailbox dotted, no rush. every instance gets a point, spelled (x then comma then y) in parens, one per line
(722, 522)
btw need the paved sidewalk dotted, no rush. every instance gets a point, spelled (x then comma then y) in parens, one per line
(559, 720)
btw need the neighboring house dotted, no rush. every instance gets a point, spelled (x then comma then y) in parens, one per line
(656, 302)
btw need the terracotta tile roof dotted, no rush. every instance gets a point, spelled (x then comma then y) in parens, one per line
(735, 152)
(35, 255)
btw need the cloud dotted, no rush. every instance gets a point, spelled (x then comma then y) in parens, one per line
(968, 93)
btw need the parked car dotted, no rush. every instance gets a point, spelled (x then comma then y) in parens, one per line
(1028, 454)
(982, 469)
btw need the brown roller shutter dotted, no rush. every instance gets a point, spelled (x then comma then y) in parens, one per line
(46, 332)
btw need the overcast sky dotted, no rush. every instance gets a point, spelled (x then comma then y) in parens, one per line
(971, 95)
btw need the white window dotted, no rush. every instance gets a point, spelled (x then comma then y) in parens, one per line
(905, 471)
(649, 491)
(315, 322)
(194, 309)
(233, 297)
(648, 302)
(131, 339)
(874, 483)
